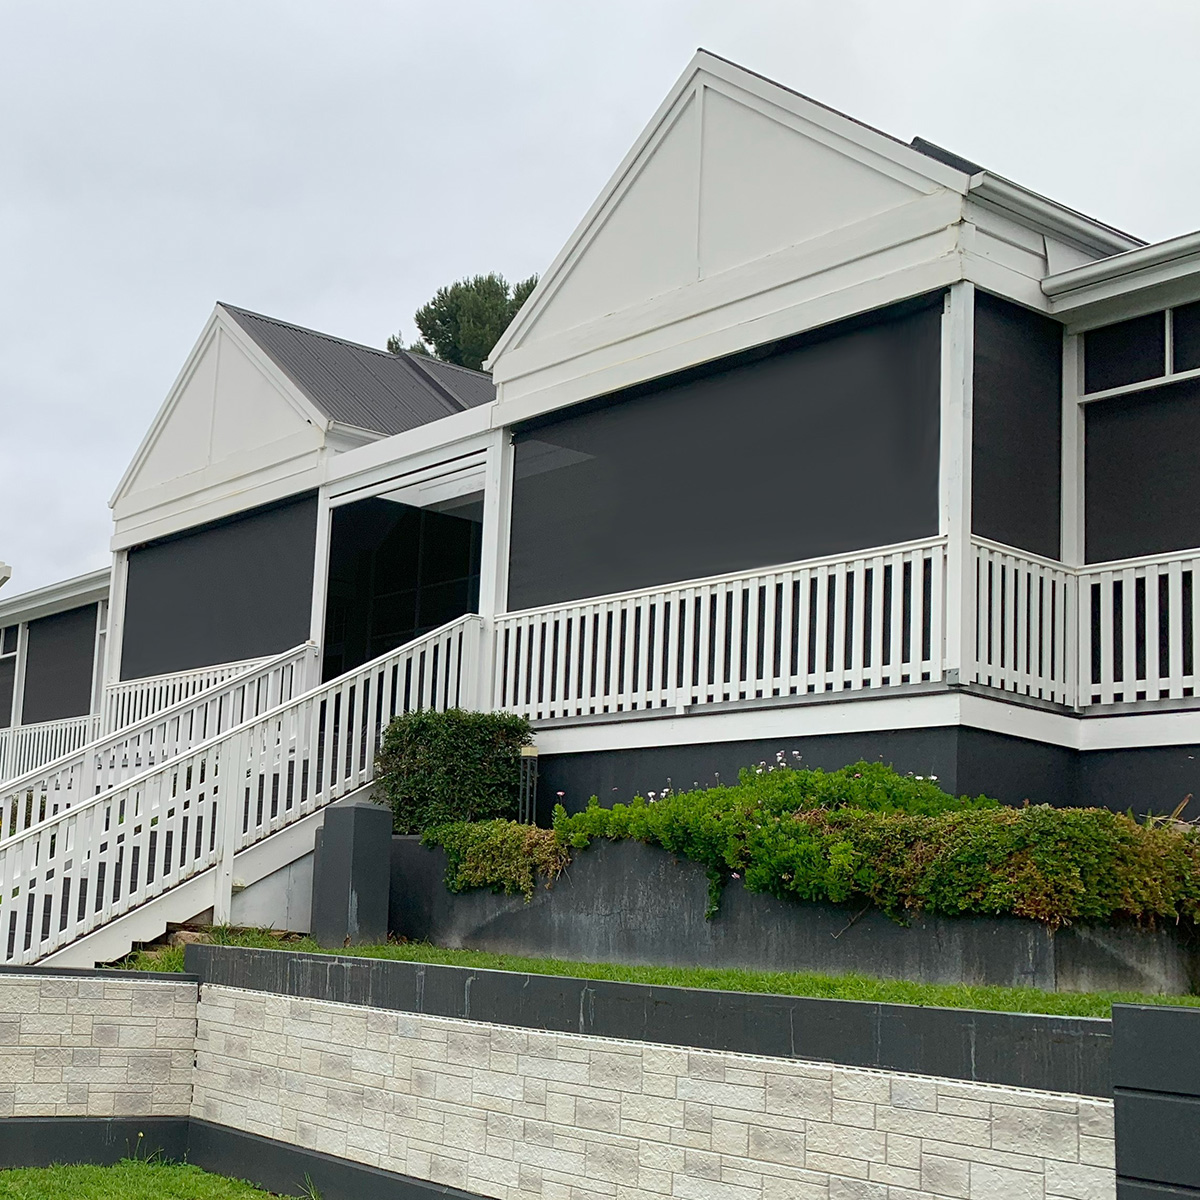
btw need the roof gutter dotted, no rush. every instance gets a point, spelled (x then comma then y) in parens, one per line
(1054, 218)
(1131, 262)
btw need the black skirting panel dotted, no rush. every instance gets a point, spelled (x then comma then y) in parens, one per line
(58, 666)
(965, 760)
(826, 443)
(235, 589)
(276, 1166)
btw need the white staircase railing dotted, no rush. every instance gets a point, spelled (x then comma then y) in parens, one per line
(835, 624)
(23, 748)
(114, 757)
(81, 868)
(133, 700)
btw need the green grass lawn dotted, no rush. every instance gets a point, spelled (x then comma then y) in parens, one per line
(132, 1179)
(832, 987)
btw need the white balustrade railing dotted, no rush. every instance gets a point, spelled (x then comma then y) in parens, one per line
(828, 625)
(25, 747)
(85, 866)
(1025, 639)
(133, 700)
(110, 759)
(1139, 621)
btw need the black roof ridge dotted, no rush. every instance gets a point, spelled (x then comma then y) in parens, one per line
(411, 360)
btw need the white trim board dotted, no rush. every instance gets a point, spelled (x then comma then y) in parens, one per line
(55, 597)
(871, 715)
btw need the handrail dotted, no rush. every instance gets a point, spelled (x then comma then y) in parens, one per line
(86, 865)
(40, 793)
(119, 697)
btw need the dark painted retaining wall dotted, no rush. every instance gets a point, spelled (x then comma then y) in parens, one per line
(972, 761)
(1156, 1094)
(631, 903)
(1059, 1054)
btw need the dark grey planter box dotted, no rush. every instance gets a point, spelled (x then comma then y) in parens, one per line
(630, 903)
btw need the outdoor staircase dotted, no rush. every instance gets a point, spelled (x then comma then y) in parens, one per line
(104, 848)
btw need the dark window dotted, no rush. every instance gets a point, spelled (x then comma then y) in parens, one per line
(59, 656)
(236, 589)
(1142, 491)
(8, 642)
(1128, 352)
(828, 444)
(1185, 336)
(8, 671)
(1017, 427)
(396, 572)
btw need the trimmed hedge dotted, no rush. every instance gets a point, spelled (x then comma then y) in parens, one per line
(435, 767)
(868, 836)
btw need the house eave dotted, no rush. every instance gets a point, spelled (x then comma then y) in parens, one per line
(55, 597)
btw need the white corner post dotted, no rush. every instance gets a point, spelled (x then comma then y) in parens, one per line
(958, 341)
(316, 627)
(1072, 533)
(114, 637)
(231, 795)
(493, 559)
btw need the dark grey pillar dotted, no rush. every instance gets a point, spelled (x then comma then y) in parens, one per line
(351, 874)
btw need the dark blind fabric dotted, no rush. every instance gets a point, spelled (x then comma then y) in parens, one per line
(395, 572)
(232, 590)
(826, 446)
(8, 670)
(1016, 468)
(1185, 335)
(1127, 352)
(59, 657)
(1142, 495)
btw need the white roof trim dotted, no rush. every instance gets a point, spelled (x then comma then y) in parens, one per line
(55, 597)
(1129, 272)
(222, 321)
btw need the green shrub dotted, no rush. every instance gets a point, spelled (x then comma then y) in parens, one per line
(502, 855)
(868, 835)
(434, 767)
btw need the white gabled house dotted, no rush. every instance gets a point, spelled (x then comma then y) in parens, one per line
(808, 439)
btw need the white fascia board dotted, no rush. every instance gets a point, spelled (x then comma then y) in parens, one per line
(925, 264)
(884, 153)
(5, 573)
(929, 710)
(1049, 217)
(390, 456)
(55, 597)
(302, 473)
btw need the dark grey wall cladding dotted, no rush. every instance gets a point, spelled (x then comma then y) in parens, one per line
(1140, 477)
(824, 444)
(1016, 465)
(1156, 1094)
(58, 666)
(240, 588)
(8, 670)
(1068, 1054)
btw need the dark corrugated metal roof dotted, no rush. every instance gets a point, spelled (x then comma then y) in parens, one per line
(361, 386)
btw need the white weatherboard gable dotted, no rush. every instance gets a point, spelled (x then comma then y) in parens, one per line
(730, 170)
(232, 426)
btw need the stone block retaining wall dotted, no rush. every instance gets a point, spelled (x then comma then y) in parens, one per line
(94, 1046)
(518, 1114)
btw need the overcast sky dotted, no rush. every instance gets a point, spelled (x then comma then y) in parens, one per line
(334, 163)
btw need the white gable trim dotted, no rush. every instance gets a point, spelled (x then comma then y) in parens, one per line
(219, 321)
(804, 116)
